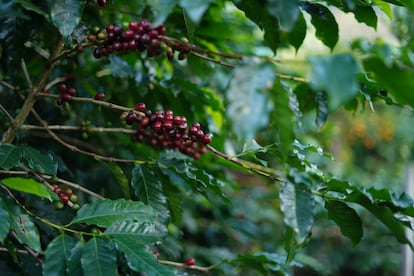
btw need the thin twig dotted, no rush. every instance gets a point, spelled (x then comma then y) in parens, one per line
(267, 172)
(53, 82)
(8, 85)
(6, 113)
(76, 149)
(90, 100)
(212, 60)
(293, 78)
(80, 128)
(181, 265)
(26, 74)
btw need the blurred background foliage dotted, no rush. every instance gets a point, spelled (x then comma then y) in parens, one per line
(370, 141)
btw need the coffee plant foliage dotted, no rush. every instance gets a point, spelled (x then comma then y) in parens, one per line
(172, 137)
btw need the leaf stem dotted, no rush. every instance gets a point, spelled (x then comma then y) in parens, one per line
(258, 169)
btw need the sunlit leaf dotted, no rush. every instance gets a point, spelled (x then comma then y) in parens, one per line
(337, 75)
(248, 106)
(287, 11)
(162, 8)
(133, 232)
(66, 14)
(27, 185)
(195, 8)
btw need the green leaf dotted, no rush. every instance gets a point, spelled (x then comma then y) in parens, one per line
(28, 5)
(39, 161)
(287, 11)
(74, 265)
(25, 230)
(195, 8)
(248, 105)
(134, 232)
(161, 8)
(99, 258)
(9, 156)
(27, 185)
(383, 213)
(106, 212)
(367, 15)
(298, 34)
(283, 117)
(149, 190)
(175, 203)
(66, 14)
(4, 222)
(385, 7)
(324, 23)
(140, 259)
(337, 75)
(57, 255)
(297, 204)
(346, 218)
(120, 177)
(386, 76)
(263, 19)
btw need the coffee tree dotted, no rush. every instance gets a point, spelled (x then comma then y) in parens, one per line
(171, 137)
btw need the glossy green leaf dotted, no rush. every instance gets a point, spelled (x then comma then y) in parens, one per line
(283, 117)
(383, 213)
(134, 232)
(386, 76)
(4, 222)
(268, 23)
(346, 218)
(106, 212)
(175, 203)
(195, 8)
(39, 161)
(297, 204)
(286, 11)
(337, 75)
(297, 35)
(120, 177)
(248, 105)
(27, 185)
(9, 156)
(26, 231)
(141, 260)
(74, 266)
(162, 8)
(66, 14)
(99, 258)
(149, 190)
(57, 255)
(324, 22)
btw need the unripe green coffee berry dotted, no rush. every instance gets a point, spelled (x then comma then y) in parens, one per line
(75, 207)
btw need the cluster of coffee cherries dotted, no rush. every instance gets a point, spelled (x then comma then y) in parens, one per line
(166, 130)
(137, 36)
(66, 197)
(66, 94)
